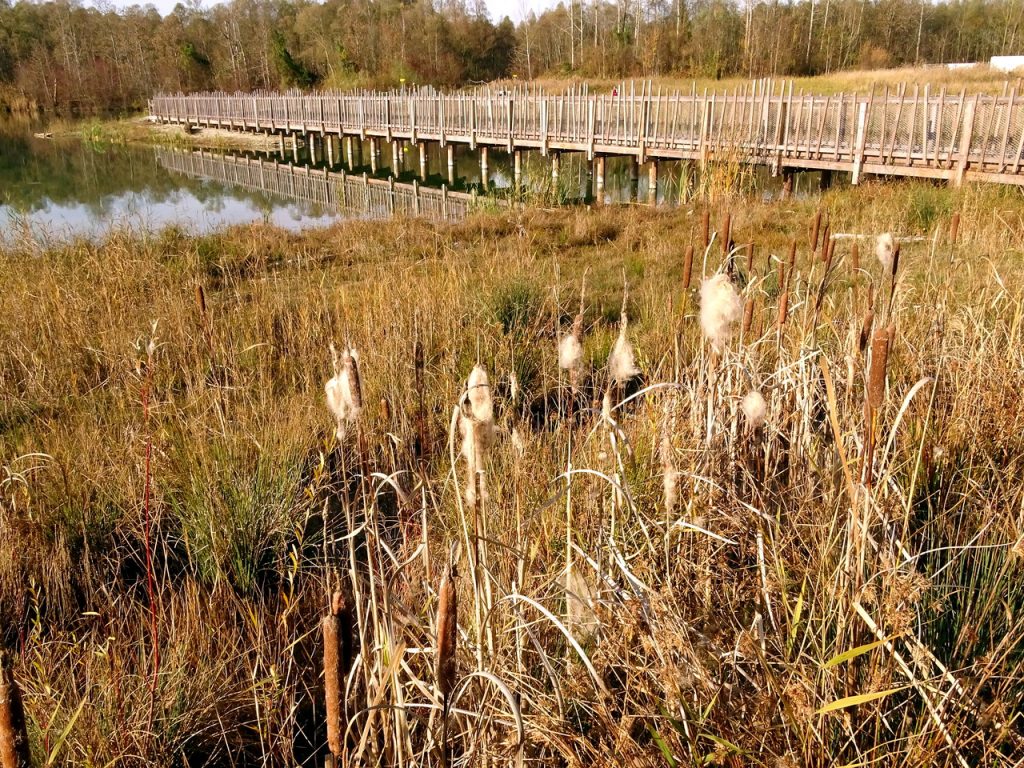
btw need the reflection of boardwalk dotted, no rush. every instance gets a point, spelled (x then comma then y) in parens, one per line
(356, 195)
(922, 131)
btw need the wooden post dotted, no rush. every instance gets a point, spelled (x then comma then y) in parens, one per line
(396, 155)
(858, 150)
(374, 154)
(484, 170)
(544, 127)
(329, 140)
(350, 151)
(591, 107)
(451, 163)
(652, 182)
(517, 168)
(599, 179)
(423, 159)
(966, 134)
(555, 169)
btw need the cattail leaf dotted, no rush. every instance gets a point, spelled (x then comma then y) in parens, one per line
(853, 653)
(662, 746)
(860, 698)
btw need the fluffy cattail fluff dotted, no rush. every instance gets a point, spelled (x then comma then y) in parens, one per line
(754, 408)
(570, 353)
(445, 665)
(879, 361)
(621, 363)
(477, 429)
(344, 391)
(14, 752)
(720, 309)
(884, 251)
(478, 389)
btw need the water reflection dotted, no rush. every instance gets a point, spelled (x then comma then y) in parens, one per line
(66, 189)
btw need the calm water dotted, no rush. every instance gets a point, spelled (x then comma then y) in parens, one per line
(59, 190)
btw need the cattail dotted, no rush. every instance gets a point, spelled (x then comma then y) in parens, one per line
(513, 387)
(865, 330)
(705, 228)
(687, 267)
(879, 360)
(895, 263)
(14, 750)
(445, 663)
(351, 384)
(954, 228)
(201, 300)
(477, 429)
(884, 251)
(344, 390)
(754, 408)
(720, 309)
(826, 242)
(855, 257)
(333, 676)
(385, 410)
(621, 362)
(815, 228)
(748, 315)
(570, 352)
(478, 391)
(783, 307)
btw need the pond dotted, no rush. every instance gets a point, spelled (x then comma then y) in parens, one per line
(55, 190)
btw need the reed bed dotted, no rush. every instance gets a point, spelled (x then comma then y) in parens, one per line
(552, 488)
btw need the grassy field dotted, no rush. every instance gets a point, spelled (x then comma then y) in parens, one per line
(659, 569)
(981, 79)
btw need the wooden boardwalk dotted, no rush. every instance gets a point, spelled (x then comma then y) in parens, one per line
(355, 195)
(910, 131)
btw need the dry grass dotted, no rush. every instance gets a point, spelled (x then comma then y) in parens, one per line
(777, 611)
(980, 79)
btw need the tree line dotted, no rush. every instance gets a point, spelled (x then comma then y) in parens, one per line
(64, 57)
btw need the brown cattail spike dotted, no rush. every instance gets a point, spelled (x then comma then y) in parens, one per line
(14, 750)
(445, 664)
(855, 257)
(954, 228)
(705, 229)
(783, 307)
(687, 267)
(879, 361)
(815, 229)
(865, 330)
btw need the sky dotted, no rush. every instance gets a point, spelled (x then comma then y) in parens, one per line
(514, 9)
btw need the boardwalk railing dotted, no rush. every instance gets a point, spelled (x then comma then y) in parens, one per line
(351, 194)
(907, 132)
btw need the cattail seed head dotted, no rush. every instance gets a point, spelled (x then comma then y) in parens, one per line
(879, 361)
(754, 408)
(884, 246)
(865, 330)
(815, 229)
(855, 256)
(720, 309)
(14, 748)
(621, 362)
(726, 233)
(687, 267)
(445, 662)
(954, 227)
(570, 353)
